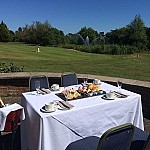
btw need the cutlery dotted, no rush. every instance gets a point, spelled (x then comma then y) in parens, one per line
(46, 91)
(64, 104)
(120, 95)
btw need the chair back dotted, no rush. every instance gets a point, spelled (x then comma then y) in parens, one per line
(117, 138)
(69, 79)
(43, 82)
(147, 144)
(12, 120)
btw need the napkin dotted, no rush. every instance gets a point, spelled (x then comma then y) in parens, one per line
(44, 91)
(47, 91)
(39, 91)
(65, 105)
(120, 95)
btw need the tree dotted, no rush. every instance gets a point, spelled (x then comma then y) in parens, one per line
(137, 33)
(148, 37)
(118, 36)
(73, 38)
(88, 32)
(4, 33)
(41, 34)
(12, 36)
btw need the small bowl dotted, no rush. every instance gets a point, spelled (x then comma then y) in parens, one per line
(90, 93)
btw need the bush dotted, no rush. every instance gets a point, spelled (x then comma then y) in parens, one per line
(104, 49)
(4, 68)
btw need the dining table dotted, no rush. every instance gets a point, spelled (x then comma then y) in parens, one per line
(89, 116)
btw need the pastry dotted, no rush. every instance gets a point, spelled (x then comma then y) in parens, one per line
(94, 87)
(80, 89)
(70, 96)
(90, 86)
(72, 91)
(76, 94)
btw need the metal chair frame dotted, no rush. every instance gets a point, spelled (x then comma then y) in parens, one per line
(147, 144)
(34, 78)
(96, 143)
(11, 125)
(116, 130)
(69, 76)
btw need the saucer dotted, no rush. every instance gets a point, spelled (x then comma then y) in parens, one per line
(104, 97)
(46, 111)
(54, 90)
(99, 84)
(8, 104)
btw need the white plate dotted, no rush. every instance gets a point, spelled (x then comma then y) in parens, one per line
(46, 111)
(98, 84)
(104, 97)
(54, 90)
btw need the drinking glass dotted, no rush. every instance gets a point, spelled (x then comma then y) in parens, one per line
(119, 84)
(37, 86)
(66, 93)
(85, 80)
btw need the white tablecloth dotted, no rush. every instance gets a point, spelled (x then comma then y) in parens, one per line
(90, 116)
(6, 110)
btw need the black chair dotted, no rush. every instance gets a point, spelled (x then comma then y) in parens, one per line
(11, 126)
(43, 82)
(141, 140)
(69, 79)
(147, 144)
(117, 138)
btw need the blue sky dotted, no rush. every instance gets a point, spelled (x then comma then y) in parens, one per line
(71, 15)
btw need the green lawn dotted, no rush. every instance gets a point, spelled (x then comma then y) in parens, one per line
(52, 59)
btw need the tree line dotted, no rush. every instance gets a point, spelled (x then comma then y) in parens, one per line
(135, 34)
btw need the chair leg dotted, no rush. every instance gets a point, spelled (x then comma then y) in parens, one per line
(12, 142)
(3, 146)
(2, 141)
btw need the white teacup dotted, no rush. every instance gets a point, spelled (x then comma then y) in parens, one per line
(110, 95)
(55, 87)
(50, 106)
(97, 81)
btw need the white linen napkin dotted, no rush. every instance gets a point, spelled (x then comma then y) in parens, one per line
(47, 91)
(65, 105)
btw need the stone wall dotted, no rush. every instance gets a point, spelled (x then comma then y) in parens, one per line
(12, 85)
(11, 89)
